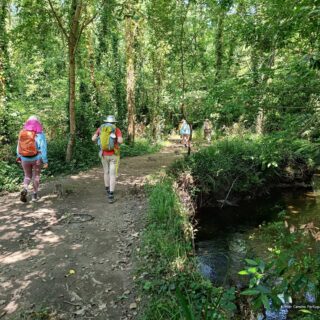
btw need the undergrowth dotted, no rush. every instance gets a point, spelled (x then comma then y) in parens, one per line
(168, 276)
(249, 166)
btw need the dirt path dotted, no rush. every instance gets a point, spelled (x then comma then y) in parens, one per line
(51, 258)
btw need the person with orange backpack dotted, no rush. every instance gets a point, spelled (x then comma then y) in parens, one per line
(32, 153)
(109, 138)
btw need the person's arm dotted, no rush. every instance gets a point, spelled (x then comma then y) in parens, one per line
(42, 143)
(18, 159)
(96, 135)
(119, 136)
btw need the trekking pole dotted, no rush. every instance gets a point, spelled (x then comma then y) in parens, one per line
(189, 144)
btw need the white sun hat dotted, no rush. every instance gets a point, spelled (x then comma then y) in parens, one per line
(110, 119)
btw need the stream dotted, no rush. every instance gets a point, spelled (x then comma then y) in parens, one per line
(225, 237)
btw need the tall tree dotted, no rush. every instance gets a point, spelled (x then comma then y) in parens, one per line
(3, 48)
(219, 44)
(4, 70)
(77, 23)
(130, 35)
(184, 13)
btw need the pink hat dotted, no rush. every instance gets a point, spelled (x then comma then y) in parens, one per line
(33, 124)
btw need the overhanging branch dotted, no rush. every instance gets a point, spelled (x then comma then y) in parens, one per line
(58, 20)
(83, 26)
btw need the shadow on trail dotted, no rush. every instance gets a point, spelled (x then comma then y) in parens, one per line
(76, 269)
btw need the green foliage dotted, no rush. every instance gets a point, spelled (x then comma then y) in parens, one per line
(10, 176)
(140, 147)
(290, 273)
(250, 165)
(170, 280)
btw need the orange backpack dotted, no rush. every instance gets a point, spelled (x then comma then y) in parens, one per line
(27, 146)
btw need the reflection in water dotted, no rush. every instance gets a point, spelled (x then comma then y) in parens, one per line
(226, 237)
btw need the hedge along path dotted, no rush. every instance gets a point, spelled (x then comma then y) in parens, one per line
(70, 255)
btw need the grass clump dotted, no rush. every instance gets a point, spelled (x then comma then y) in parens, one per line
(140, 147)
(168, 275)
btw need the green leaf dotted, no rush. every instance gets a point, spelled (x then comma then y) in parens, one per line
(250, 292)
(252, 270)
(263, 289)
(251, 262)
(262, 266)
(265, 301)
(185, 306)
(147, 285)
(305, 311)
(243, 272)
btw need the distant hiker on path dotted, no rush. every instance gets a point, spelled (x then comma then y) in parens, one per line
(109, 137)
(32, 153)
(207, 130)
(185, 133)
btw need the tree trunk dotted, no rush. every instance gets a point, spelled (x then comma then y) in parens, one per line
(3, 50)
(219, 45)
(72, 35)
(130, 35)
(182, 63)
(72, 100)
(91, 58)
(231, 50)
(4, 73)
(119, 91)
(254, 66)
(72, 43)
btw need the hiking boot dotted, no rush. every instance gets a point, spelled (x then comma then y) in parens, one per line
(107, 191)
(23, 195)
(34, 197)
(110, 197)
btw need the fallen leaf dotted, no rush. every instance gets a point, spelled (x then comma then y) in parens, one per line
(133, 306)
(80, 312)
(70, 273)
(96, 281)
(75, 296)
(102, 306)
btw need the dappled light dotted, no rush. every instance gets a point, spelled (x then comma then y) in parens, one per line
(58, 249)
(173, 142)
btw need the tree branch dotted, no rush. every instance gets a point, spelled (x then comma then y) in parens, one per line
(83, 26)
(76, 21)
(58, 20)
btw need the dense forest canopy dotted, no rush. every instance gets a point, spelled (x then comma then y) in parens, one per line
(254, 62)
(252, 67)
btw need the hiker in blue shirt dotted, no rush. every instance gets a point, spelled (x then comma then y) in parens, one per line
(185, 133)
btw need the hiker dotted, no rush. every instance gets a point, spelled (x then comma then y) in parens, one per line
(32, 154)
(207, 130)
(109, 137)
(185, 133)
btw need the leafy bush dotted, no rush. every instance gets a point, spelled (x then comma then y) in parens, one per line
(10, 176)
(290, 272)
(140, 147)
(249, 166)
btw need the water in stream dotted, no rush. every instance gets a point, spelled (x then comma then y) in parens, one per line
(225, 237)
